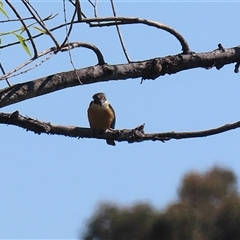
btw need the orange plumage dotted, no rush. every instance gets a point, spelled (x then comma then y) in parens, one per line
(101, 114)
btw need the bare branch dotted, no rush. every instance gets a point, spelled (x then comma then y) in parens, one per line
(50, 54)
(3, 71)
(69, 46)
(148, 69)
(119, 34)
(16, 20)
(78, 9)
(10, 73)
(71, 24)
(66, 47)
(66, 40)
(94, 7)
(128, 135)
(112, 21)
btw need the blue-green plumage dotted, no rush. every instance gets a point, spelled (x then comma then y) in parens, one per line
(101, 114)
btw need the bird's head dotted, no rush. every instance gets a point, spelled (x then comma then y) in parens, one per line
(100, 98)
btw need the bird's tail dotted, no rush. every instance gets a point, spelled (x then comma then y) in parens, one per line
(111, 142)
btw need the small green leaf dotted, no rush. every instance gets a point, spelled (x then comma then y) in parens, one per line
(51, 16)
(23, 29)
(40, 30)
(2, 11)
(23, 43)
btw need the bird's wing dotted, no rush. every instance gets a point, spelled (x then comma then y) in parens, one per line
(114, 119)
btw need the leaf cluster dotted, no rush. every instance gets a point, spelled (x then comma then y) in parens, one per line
(208, 208)
(18, 33)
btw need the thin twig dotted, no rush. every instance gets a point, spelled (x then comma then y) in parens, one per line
(66, 47)
(33, 11)
(39, 20)
(16, 20)
(2, 69)
(92, 47)
(25, 27)
(94, 7)
(28, 26)
(91, 3)
(71, 25)
(112, 21)
(9, 74)
(119, 34)
(36, 65)
(82, 14)
(66, 40)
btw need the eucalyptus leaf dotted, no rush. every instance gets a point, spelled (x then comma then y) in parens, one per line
(22, 41)
(3, 11)
(40, 30)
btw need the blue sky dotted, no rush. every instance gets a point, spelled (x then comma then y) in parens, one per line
(50, 185)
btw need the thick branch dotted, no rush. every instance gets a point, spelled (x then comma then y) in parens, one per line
(128, 135)
(149, 69)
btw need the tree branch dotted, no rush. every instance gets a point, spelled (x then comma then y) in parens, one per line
(52, 50)
(78, 9)
(119, 34)
(94, 5)
(112, 21)
(128, 135)
(3, 71)
(148, 69)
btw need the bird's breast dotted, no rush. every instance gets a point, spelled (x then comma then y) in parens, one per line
(100, 117)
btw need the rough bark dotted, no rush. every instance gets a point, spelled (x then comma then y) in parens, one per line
(129, 135)
(148, 69)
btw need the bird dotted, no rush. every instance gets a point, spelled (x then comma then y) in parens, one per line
(101, 114)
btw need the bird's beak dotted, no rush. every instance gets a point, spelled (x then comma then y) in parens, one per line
(102, 101)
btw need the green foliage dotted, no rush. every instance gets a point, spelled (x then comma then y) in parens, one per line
(4, 13)
(228, 220)
(2, 10)
(22, 41)
(207, 188)
(113, 222)
(39, 29)
(208, 209)
(19, 32)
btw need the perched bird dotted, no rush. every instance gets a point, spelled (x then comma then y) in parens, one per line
(101, 114)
